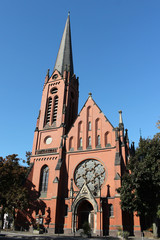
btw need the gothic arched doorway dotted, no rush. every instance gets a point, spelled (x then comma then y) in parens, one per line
(85, 213)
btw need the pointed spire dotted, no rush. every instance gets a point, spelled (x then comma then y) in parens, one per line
(64, 59)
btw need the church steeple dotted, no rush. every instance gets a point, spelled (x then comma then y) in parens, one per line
(64, 59)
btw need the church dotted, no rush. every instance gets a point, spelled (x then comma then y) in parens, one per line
(77, 159)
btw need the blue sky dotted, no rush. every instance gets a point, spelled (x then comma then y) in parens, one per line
(116, 54)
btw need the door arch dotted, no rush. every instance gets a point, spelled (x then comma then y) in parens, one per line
(85, 208)
(85, 213)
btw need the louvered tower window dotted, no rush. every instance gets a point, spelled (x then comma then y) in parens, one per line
(49, 111)
(55, 109)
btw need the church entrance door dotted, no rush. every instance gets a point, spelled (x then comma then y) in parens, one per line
(85, 213)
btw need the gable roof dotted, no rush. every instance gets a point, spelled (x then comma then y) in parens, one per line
(81, 112)
(90, 97)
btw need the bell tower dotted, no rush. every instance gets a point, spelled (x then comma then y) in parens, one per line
(59, 105)
(58, 111)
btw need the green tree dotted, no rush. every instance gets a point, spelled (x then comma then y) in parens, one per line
(28, 156)
(140, 190)
(13, 193)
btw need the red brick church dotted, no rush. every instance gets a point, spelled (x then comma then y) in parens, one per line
(77, 159)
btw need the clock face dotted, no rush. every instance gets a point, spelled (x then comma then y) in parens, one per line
(48, 140)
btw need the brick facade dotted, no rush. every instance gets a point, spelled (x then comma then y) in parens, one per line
(77, 160)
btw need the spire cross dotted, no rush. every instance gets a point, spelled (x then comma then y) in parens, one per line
(90, 95)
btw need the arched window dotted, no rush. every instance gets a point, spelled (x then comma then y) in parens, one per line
(97, 124)
(71, 144)
(80, 127)
(107, 139)
(98, 140)
(44, 179)
(111, 213)
(80, 142)
(89, 126)
(89, 141)
(89, 111)
(48, 110)
(55, 109)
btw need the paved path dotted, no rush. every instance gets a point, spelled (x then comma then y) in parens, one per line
(4, 235)
(29, 236)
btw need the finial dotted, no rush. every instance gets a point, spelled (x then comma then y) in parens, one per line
(120, 117)
(68, 13)
(90, 94)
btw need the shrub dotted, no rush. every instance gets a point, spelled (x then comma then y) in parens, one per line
(86, 228)
(125, 234)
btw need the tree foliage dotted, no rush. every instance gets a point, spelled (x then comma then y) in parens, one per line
(28, 156)
(158, 124)
(13, 193)
(140, 190)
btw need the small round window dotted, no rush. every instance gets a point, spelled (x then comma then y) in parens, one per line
(48, 140)
(54, 90)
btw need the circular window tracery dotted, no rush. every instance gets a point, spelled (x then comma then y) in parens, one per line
(90, 171)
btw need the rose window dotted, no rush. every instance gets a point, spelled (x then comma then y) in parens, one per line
(91, 172)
